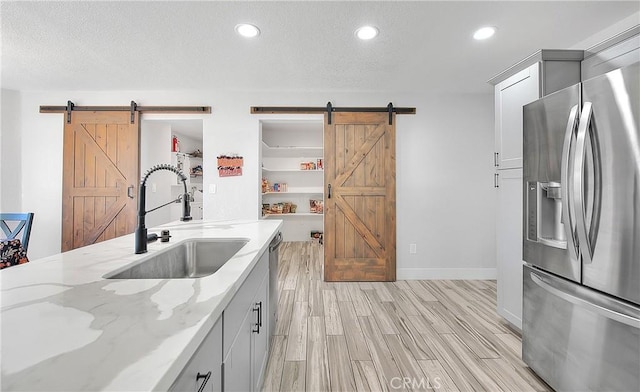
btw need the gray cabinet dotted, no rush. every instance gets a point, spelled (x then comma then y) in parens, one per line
(246, 332)
(509, 245)
(260, 336)
(233, 356)
(204, 370)
(510, 95)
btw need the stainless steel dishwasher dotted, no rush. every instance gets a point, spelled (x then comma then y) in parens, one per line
(273, 282)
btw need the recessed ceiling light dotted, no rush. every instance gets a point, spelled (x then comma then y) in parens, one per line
(366, 32)
(484, 33)
(247, 30)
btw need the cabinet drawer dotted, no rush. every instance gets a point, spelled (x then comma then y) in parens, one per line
(243, 300)
(207, 358)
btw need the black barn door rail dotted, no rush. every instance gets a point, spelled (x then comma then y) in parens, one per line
(133, 107)
(330, 109)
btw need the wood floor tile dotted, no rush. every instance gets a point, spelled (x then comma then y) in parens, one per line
(317, 378)
(293, 373)
(333, 322)
(407, 364)
(365, 376)
(353, 333)
(273, 376)
(297, 338)
(340, 369)
(383, 362)
(438, 377)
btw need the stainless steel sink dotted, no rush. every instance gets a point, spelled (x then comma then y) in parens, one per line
(191, 259)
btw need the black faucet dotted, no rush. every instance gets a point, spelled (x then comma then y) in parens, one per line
(141, 230)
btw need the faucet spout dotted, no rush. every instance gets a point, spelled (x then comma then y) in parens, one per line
(141, 229)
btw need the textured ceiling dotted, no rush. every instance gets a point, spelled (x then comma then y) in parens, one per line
(304, 46)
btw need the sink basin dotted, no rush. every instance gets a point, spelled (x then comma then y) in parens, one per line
(190, 259)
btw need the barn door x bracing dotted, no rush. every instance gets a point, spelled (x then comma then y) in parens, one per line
(100, 179)
(360, 212)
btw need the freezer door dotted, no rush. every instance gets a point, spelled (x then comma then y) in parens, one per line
(577, 339)
(549, 136)
(608, 223)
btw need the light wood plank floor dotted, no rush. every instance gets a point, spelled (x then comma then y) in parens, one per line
(407, 335)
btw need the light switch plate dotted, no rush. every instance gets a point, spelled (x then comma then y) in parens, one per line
(412, 249)
(212, 188)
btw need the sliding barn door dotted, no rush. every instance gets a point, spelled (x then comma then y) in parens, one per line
(360, 201)
(100, 179)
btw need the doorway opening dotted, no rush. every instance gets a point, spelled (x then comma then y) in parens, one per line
(178, 142)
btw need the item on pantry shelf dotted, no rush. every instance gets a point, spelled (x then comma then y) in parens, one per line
(286, 208)
(315, 206)
(319, 164)
(197, 153)
(317, 237)
(175, 146)
(293, 208)
(265, 185)
(307, 166)
(279, 187)
(277, 208)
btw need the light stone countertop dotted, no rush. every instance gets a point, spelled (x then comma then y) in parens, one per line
(66, 328)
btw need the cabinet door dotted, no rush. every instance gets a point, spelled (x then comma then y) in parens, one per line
(237, 363)
(205, 367)
(510, 96)
(260, 335)
(509, 245)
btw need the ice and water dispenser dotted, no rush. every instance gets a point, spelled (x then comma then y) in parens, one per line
(544, 219)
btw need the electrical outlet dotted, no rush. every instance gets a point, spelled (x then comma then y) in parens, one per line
(412, 249)
(154, 188)
(212, 188)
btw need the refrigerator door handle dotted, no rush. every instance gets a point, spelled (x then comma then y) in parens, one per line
(566, 179)
(578, 183)
(605, 312)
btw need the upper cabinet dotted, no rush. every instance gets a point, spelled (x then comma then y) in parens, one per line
(510, 96)
(540, 74)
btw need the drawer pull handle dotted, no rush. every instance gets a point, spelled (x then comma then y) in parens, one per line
(206, 379)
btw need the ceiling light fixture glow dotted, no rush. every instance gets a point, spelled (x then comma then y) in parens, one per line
(367, 32)
(484, 33)
(247, 30)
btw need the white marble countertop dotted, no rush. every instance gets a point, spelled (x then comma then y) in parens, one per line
(66, 328)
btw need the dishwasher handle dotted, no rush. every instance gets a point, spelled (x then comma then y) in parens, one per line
(277, 240)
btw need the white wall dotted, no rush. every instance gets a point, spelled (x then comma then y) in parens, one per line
(10, 136)
(155, 148)
(445, 195)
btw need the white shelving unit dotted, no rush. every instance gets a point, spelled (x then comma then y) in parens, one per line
(285, 145)
(185, 162)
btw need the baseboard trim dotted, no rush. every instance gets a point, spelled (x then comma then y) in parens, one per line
(446, 273)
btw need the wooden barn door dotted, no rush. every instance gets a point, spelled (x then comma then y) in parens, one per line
(360, 212)
(100, 179)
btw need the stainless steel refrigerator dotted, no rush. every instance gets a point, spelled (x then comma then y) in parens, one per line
(581, 235)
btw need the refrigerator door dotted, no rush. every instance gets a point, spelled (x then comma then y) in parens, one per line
(578, 339)
(608, 223)
(549, 137)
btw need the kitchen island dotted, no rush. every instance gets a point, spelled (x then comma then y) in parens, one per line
(66, 327)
